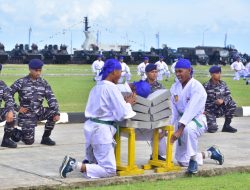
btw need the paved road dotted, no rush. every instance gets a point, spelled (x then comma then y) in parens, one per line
(37, 165)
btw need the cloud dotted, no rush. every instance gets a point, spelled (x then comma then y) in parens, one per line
(178, 22)
(7, 8)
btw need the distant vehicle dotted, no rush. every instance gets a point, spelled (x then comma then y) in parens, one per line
(188, 53)
(18, 54)
(224, 57)
(201, 57)
(3, 55)
(217, 55)
(52, 54)
(31, 54)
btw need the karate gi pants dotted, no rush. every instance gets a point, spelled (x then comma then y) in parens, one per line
(187, 145)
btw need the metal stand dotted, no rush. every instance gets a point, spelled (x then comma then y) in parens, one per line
(159, 165)
(131, 168)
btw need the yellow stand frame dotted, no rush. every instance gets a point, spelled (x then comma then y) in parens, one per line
(131, 168)
(162, 166)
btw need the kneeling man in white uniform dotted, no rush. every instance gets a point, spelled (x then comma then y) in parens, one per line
(188, 98)
(105, 107)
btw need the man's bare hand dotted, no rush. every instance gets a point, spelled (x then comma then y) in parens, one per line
(219, 101)
(56, 118)
(9, 116)
(131, 99)
(177, 134)
(23, 110)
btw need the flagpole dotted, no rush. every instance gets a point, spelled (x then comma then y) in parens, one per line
(30, 30)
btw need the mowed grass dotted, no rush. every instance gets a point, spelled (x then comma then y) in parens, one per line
(233, 181)
(72, 83)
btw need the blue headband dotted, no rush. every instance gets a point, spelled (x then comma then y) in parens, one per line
(183, 64)
(142, 88)
(109, 66)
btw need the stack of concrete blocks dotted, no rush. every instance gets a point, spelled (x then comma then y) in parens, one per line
(151, 112)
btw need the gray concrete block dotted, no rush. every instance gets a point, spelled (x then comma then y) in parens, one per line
(161, 123)
(162, 106)
(141, 117)
(143, 101)
(135, 124)
(140, 108)
(160, 115)
(159, 96)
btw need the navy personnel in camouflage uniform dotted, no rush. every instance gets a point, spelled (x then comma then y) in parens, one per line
(32, 90)
(152, 73)
(219, 102)
(7, 114)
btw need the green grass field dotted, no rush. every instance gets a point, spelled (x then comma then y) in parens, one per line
(233, 181)
(72, 83)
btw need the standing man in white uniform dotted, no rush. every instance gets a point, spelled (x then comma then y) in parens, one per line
(239, 69)
(125, 71)
(105, 106)
(97, 67)
(141, 68)
(162, 68)
(188, 98)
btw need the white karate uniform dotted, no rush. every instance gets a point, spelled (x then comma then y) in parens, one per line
(141, 70)
(239, 69)
(162, 68)
(125, 73)
(173, 67)
(105, 103)
(173, 70)
(96, 69)
(187, 104)
(247, 74)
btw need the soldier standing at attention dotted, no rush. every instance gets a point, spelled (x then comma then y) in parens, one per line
(32, 89)
(219, 102)
(7, 114)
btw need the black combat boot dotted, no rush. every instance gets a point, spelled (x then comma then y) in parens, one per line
(227, 127)
(7, 142)
(46, 140)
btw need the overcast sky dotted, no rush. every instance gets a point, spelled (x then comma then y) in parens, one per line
(179, 23)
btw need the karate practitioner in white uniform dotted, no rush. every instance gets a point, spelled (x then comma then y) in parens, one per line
(188, 98)
(162, 68)
(141, 68)
(105, 106)
(97, 67)
(239, 69)
(125, 72)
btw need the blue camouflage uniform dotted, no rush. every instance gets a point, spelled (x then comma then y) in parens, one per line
(9, 106)
(213, 111)
(31, 94)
